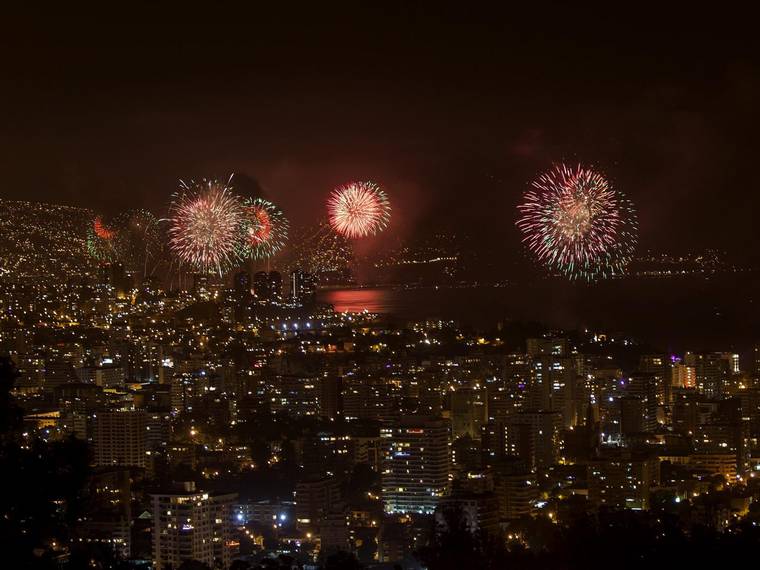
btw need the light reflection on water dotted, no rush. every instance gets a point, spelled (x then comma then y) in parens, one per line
(357, 300)
(688, 313)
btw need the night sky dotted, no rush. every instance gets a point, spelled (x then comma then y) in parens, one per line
(454, 110)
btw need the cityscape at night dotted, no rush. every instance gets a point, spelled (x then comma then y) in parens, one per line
(379, 286)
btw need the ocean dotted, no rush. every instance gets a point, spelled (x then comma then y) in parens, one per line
(689, 312)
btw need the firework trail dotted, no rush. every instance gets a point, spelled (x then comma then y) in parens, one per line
(140, 241)
(204, 226)
(264, 229)
(574, 222)
(358, 209)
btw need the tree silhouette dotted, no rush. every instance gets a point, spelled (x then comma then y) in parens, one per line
(10, 414)
(45, 484)
(342, 560)
(455, 547)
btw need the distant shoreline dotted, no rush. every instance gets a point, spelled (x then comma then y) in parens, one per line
(549, 278)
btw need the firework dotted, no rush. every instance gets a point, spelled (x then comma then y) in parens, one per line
(101, 230)
(358, 209)
(574, 222)
(101, 244)
(204, 226)
(139, 240)
(264, 228)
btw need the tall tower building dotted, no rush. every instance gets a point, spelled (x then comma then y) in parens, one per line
(314, 496)
(645, 388)
(469, 412)
(267, 286)
(120, 280)
(416, 465)
(119, 438)
(533, 437)
(303, 287)
(633, 415)
(712, 371)
(659, 366)
(242, 282)
(331, 397)
(192, 525)
(684, 376)
(552, 387)
(201, 285)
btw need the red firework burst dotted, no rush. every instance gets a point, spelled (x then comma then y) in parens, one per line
(260, 227)
(101, 230)
(358, 209)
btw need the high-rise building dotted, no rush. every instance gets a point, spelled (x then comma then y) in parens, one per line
(734, 366)
(192, 525)
(416, 465)
(621, 480)
(119, 438)
(58, 372)
(533, 437)
(106, 376)
(644, 388)
(658, 366)
(201, 285)
(335, 532)
(713, 370)
(469, 412)
(552, 387)
(267, 286)
(516, 493)
(186, 388)
(367, 398)
(242, 282)
(331, 397)
(750, 402)
(479, 512)
(297, 396)
(632, 415)
(725, 432)
(501, 399)
(157, 430)
(314, 497)
(684, 376)
(552, 346)
(265, 512)
(121, 281)
(492, 443)
(303, 287)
